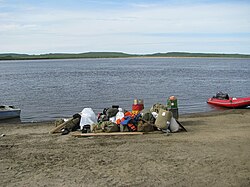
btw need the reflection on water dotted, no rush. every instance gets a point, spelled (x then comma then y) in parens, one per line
(11, 120)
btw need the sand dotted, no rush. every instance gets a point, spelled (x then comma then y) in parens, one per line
(214, 152)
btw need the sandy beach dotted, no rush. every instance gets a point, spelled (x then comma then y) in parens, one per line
(214, 152)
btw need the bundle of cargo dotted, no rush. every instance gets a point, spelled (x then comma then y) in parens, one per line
(115, 119)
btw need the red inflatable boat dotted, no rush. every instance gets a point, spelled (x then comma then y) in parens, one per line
(230, 102)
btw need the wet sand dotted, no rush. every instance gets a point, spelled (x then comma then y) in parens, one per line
(214, 152)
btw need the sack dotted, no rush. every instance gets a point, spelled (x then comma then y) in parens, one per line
(124, 128)
(163, 118)
(156, 107)
(148, 116)
(119, 116)
(88, 117)
(109, 126)
(73, 124)
(106, 126)
(77, 115)
(174, 126)
(101, 117)
(146, 122)
(145, 126)
(111, 112)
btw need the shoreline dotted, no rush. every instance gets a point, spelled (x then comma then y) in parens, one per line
(17, 121)
(105, 55)
(225, 111)
(136, 57)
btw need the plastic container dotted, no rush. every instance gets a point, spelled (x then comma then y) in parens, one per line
(175, 112)
(138, 105)
(172, 102)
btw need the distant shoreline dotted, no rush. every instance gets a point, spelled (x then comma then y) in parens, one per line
(118, 58)
(99, 55)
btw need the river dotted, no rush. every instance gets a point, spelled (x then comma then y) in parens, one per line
(51, 89)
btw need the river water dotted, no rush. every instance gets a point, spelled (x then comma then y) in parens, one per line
(52, 89)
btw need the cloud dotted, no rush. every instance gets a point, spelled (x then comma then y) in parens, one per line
(136, 26)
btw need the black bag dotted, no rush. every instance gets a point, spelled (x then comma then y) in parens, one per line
(111, 112)
(221, 95)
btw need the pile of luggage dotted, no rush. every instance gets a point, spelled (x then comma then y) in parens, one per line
(115, 119)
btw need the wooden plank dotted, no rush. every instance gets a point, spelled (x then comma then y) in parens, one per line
(78, 134)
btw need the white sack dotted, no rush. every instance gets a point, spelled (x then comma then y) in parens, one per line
(119, 114)
(174, 126)
(88, 117)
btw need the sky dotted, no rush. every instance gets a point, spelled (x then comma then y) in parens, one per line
(129, 26)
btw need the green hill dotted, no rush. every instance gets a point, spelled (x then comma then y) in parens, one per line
(183, 54)
(14, 56)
